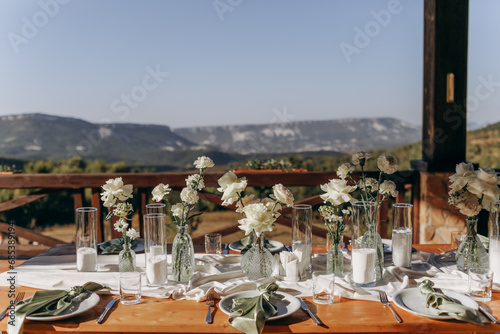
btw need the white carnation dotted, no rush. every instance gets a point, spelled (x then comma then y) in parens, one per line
(345, 170)
(133, 234)
(160, 191)
(360, 158)
(387, 163)
(388, 188)
(189, 196)
(195, 181)
(203, 163)
(177, 210)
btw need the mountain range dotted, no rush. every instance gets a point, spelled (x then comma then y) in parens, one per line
(40, 136)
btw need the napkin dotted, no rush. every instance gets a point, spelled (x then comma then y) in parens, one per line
(447, 305)
(49, 303)
(114, 246)
(249, 314)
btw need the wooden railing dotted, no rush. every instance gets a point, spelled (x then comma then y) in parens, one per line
(44, 184)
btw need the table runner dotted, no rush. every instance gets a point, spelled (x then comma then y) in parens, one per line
(222, 273)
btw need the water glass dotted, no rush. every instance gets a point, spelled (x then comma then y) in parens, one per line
(156, 208)
(155, 248)
(402, 233)
(456, 239)
(323, 287)
(480, 284)
(86, 239)
(302, 236)
(213, 243)
(130, 288)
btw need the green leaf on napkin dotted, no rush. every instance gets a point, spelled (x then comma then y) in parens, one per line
(447, 305)
(50, 303)
(114, 246)
(249, 314)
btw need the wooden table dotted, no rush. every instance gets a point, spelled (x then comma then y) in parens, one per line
(182, 316)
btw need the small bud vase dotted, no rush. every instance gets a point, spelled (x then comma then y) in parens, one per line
(257, 262)
(182, 255)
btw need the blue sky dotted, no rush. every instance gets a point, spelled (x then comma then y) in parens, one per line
(189, 63)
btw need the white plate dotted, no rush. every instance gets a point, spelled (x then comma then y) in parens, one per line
(413, 301)
(276, 246)
(76, 308)
(287, 306)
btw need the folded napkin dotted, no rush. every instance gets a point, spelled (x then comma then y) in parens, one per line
(249, 314)
(114, 246)
(49, 303)
(447, 305)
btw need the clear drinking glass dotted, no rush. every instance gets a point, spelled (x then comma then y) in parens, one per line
(213, 243)
(302, 236)
(130, 287)
(323, 287)
(402, 234)
(86, 239)
(156, 208)
(480, 284)
(364, 244)
(155, 246)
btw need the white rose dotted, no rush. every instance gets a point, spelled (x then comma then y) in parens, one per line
(464, 174)
(133, 234)
(248, 199)
(337, 192)
(387, 163)
(177, 210)
(195, 181)
(283, 195)
(388, 188)
(345, 170)
(470, 206)
(203, 163)
(189, 196)
(231, 187)
(360, 158)
(114, 190)
(160, 191)
(257, 218)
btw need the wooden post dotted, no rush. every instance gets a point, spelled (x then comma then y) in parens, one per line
(444, 127)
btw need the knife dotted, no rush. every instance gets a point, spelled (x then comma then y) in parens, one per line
(226, 249)
(288, 248)
(305, 308)
(106, 309)
(489, 315)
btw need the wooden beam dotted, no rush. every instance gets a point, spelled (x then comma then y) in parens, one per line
(444, 126)
(20, 201)
(21, 232)
(95, 201)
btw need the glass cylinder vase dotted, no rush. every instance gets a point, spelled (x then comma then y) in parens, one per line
(155, 248)
(86, 239)
(126, 258)
(302, 236)
(402, 234)
(334, 246)
(257, 262)
(494, 236)
(364, 244)
(182, 255)
(471, 252)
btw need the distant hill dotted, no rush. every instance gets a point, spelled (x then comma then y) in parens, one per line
(38, 136)
(344, 135)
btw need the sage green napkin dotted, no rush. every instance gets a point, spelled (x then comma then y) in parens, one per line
(249, 314)
(447, 305)
(49, 303)
(247, 243)
(114, 246)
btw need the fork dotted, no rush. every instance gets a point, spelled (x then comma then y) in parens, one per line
(19, 297)
(210, 302)
(383, 300)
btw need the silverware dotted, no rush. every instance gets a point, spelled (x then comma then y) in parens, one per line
(385, 301)
(19, 297)
(226, 249)
(303, 305)
(489, 315)
(288, 248)
(106, 309)
(210, 302)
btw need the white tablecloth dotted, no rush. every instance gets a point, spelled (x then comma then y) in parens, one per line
(223, 274)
